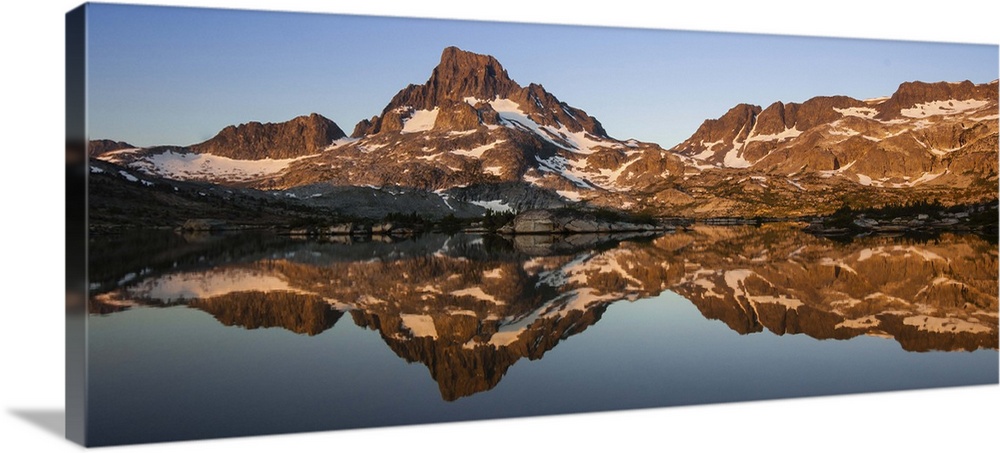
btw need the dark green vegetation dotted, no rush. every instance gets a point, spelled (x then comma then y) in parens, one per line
(914, 217)
(115, 202)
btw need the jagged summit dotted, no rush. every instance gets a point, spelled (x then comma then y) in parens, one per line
(470, 123)
(459, 75)
(467, 90)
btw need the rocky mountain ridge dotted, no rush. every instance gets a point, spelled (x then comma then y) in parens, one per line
(470, 123)
(98, 147)
(472, 126)
(913, 137)
(928, 141)
(298, 137)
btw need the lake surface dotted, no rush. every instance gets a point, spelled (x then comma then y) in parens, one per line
(215, 336)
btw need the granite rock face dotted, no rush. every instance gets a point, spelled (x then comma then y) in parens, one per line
(910, 94)
(464, 79)
(920, 144)
(459, 75)
(471, 125)
(300, 136)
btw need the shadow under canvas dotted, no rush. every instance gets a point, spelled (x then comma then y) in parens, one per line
(52, 421)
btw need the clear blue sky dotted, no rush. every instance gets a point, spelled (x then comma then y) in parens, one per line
(178, 76)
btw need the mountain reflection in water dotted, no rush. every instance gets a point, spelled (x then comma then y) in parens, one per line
(468, 307)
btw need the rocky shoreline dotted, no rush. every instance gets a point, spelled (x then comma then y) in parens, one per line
(560, 221)
(979, 219)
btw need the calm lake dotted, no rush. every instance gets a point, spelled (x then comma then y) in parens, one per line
(229, 335)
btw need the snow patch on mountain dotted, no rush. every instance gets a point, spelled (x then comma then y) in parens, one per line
(860, 112)
(783, 135)
(796, 184)
(206, 284)
(837, 172)
(477, 152)
(493, 273)
(128, 176)
(888, 252)
(926, 177)
(419, 325)
(948, 107)
(341, 142)
(733, 158)
(430, 156)
(420, 121)
(736, 280)
(572, 195)
(114, 156)
(944, 325)
(494, 205)
(709, 150)
(558, 165)
(578, 142)
(194, 166)
(477, 293)
(895, 183)
(577, 300)
(985, 118)
(496, 171)
(607, 178)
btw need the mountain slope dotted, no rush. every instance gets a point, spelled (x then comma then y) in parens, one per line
(927, 141)
(921, 133)
(250, 154)
(470, 123)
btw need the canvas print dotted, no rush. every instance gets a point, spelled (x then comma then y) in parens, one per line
(302, 222)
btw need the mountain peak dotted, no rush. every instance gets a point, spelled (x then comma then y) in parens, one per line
(459, 75)
(299, 136)
(453, 56)
(462, 74)
(465, 85)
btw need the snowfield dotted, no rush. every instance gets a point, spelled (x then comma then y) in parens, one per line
(420, 121)
(578, 142)
(949, 107)
(194, 166)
